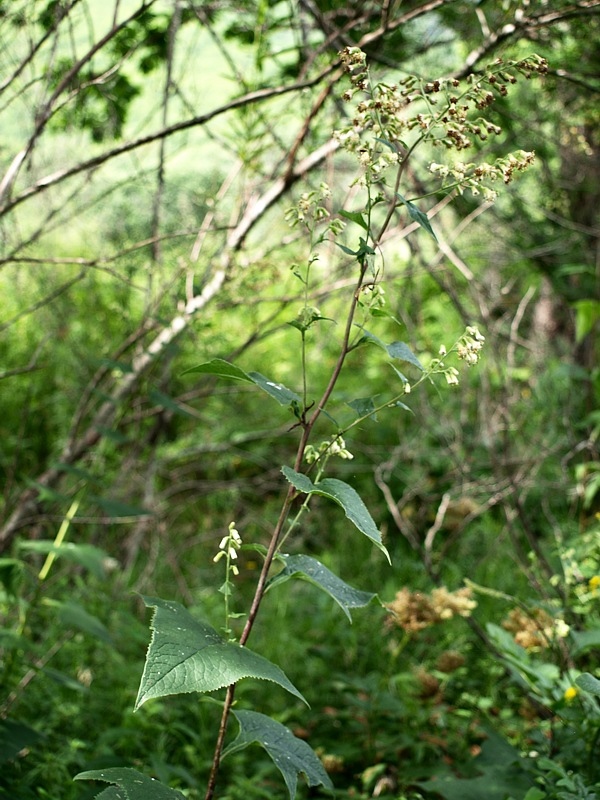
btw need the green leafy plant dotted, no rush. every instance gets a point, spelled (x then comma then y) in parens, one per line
(389, 124)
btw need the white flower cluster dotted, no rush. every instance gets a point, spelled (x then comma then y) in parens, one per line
(336, 447)
(228, 546)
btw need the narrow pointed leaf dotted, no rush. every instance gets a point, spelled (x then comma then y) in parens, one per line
(290, 755)
(222, 369)
(347, 250)
(345, 496)
(186, 655)
(311, 570)
(133, 785)
(417, 216)
(278, 391)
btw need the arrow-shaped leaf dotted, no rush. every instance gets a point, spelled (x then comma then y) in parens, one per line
(345, 496)
(417, 216)
(290, 755)
(186, 655)
(133, 785)
(311, 570)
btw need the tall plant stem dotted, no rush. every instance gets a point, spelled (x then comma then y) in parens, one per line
(272, 549)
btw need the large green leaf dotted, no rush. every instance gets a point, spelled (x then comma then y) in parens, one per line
(133, 785)
(223, 369)
(311, 570)
(585, 640)
(290, 755)
(588, 683)
(186, 655)
(502, 773)
(345, 496)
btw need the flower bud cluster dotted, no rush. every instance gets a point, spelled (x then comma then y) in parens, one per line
(473, 176)
(309, 207)
(335, 447)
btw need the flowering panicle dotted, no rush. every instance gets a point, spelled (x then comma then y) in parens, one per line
(448, 113)
(536, 630)
(414, 611)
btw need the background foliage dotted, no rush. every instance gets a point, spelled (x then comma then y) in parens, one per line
(150, 152)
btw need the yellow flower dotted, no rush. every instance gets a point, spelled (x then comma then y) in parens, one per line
(594, 583)
(570, 694)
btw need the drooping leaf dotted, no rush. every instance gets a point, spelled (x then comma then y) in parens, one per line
(290, 755)
(161, 399)
(15, 737)
(64, 680)
(78, 472)
(72, 615)
(186, 655)
(278, 391)
(417, 215)
(363, 406)
(133, 785)
(110, 433)
(311, 570)
(11, 573)
(222, 369)
(114, 508)
(85, 555)
(588, 683)
(355, 216)
(345, 496)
